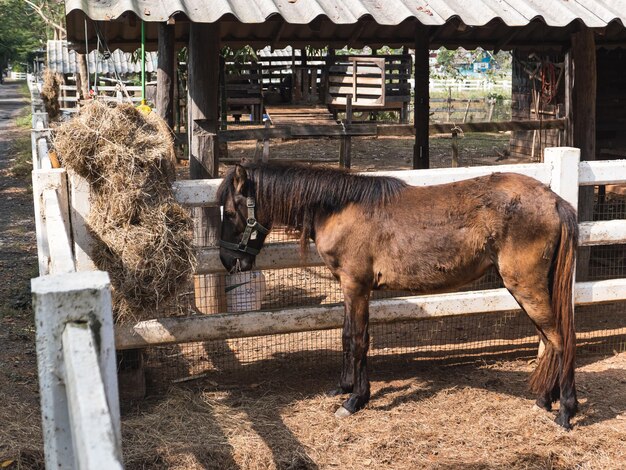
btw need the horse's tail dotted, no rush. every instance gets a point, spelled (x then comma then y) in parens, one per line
(553, 366)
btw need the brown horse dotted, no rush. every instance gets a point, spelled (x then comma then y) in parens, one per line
(379, 233)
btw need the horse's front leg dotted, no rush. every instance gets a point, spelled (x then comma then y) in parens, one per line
(357, 322)
(346, 381)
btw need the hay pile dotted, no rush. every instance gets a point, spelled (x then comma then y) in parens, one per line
(50, 92)
(143, 237)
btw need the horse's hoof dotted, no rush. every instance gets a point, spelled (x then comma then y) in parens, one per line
(342, 413)
(563, 422)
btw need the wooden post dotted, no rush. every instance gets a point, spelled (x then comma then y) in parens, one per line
(203, 86)
(455, 148)
(297, 86)
(223, 96)
(583, 55)
(469, 101)
(568, 137)
(306, 82)
(492, 106)
(420, 150)
(293, 74)
(165, 74)
(82, 78)
(266, 142)
(345, 150)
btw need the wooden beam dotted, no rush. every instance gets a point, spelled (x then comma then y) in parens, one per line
(584, 84)
(203, 66)
(420, 150)
(568, 134)
(203, 89)
(165, 74)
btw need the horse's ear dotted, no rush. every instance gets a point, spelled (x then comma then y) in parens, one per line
(240, 178)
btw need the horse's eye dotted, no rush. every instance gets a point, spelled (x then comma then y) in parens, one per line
(230, 214)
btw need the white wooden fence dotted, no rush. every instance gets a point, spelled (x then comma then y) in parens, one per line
(468, 85)
(119, 93)
(561, 170)
(75, 343)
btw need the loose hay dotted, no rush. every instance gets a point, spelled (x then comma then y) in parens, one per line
(431, 416)
(143, 237)
(50, 91)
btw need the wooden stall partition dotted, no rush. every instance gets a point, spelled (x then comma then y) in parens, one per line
(376, 83)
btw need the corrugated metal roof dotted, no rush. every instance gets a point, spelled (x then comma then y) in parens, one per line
(63, 60)
(353, 22)
(593, 13)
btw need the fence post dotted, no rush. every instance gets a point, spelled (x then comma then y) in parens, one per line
(345, 148)
(80, 206)
(42, 180)
(58, 300)
(564, 162)
(39, 131)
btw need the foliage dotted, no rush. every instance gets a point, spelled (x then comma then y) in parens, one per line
(235, 58)
(452, 63)
(24, 30)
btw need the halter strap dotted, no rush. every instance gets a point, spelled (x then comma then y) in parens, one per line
(252, 225)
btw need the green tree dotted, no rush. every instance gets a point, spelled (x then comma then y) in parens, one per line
(25, 25)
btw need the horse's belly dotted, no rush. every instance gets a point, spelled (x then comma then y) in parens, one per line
(431, 277)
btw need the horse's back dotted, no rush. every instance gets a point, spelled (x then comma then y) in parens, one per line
(443, 236)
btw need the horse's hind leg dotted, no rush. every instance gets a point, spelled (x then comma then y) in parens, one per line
(530, 288)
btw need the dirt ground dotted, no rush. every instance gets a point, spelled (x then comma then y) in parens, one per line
(20, 437)
(385, 153)
(433, 415)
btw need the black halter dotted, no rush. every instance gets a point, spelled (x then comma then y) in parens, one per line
(251, 226)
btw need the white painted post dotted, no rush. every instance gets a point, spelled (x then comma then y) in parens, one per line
(42, 180)
(42, 154)
(58, 232)
(35, 135)
(79, 213)
(94, 441)
(40, 120)
(58, 300)
(564, 162)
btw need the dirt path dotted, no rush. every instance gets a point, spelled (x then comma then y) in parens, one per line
(20, 439)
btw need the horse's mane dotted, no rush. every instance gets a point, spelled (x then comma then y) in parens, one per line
(293, 194)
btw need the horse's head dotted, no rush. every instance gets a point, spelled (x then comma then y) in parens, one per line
(242, 234)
